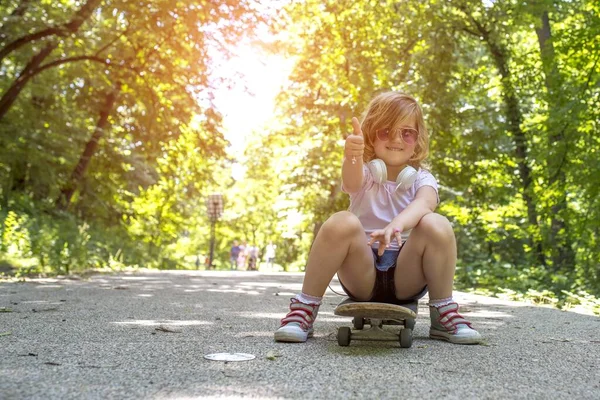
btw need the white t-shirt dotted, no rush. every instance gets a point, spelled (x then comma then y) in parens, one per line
(270, 252)
(376, 205)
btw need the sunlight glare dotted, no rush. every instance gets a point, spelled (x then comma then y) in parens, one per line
(248, 105)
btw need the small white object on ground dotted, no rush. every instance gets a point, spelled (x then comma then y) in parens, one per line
(230, 357)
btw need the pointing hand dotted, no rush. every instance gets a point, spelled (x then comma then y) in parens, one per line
(385, 236)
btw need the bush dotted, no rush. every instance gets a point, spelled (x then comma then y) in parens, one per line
(57, 243)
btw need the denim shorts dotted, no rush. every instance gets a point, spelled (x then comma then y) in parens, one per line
(385, 289)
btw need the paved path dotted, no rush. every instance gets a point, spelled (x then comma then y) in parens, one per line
(107, 337)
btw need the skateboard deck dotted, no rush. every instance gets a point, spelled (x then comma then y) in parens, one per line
(367, 309)
(376, 315)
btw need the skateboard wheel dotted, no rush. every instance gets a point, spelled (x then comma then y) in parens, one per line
(343, 336)
(410, 323)
(358, 323)
(406, 338)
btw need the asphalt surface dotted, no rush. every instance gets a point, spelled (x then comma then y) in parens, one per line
(144, 335)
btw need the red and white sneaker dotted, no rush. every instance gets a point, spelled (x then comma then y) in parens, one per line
(297, 326)
(448, 324)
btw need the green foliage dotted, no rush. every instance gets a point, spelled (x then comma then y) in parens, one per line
(513, 124)
(119, 113)
(39, 242)
(137, 167)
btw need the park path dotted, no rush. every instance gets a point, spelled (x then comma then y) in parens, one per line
(143, 335)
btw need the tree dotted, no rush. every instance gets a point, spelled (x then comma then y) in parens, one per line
(496, 149)
(104, 105)
(30, 70)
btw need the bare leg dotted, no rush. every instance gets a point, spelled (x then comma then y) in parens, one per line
(340, 246)
(431, 259)
(428, 258)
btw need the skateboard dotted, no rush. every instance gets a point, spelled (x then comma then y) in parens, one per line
(376, 315)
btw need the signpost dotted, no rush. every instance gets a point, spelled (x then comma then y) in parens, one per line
(214, 209)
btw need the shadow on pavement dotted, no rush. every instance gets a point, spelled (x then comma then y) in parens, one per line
(145, 334)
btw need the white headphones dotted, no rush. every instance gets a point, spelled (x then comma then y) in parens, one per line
(405, 178)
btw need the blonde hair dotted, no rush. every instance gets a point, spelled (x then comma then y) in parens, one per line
(392, 109)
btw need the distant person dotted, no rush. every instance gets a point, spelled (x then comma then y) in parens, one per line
(252, 258)
(243, 254)
(391, 196)
(234, 252)
(270, 254)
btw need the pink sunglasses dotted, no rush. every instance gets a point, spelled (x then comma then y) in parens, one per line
(408, 135)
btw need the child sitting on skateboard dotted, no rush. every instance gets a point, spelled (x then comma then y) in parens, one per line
(391, 197)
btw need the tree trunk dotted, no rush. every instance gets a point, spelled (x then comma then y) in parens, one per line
(28, 72)
(514, 118)
(90, 149)
(563, 257)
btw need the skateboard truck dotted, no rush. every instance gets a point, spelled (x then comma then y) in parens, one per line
(376, 315)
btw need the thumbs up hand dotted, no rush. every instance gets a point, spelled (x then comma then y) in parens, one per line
(355, 143)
